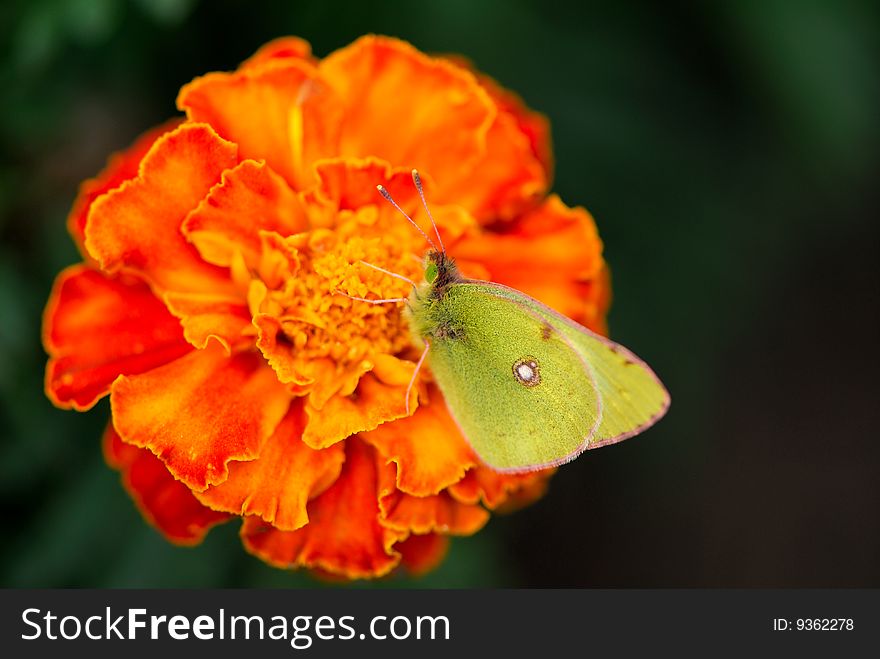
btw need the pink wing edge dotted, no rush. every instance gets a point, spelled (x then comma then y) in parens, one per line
(585, 445)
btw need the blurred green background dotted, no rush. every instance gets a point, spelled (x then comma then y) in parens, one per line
(729, 152)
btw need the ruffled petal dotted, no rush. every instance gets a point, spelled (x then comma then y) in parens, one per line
(204, 317)
(277, 486)
(440, 129)
(534, 125)
(371, 404)
(506, 180)
(249, 198)
(427, 448)
(121, 167)
(343, 536)
(439, 513)
(350, 183)
(551, 254)
(276, 348)
(165, 503)
(420, 554)
(137, 226)
(200, 412)
(493, 489)
(277, 111)
(346, 184)
(96, 328)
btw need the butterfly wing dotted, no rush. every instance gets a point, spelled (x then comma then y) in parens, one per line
(522, 399)
(632, 397)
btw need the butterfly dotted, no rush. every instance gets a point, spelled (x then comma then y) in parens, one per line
(528, 387)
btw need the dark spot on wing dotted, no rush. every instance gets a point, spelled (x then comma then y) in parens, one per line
(546, 331)
(626, 360)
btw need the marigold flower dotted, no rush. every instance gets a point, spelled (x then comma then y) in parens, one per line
(213, 305)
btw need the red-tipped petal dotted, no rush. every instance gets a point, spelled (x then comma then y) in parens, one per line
(200, 412)
(427, 447)
(167, 504)
(277, 486)
(343, 536)
(250, 198)
(121, 167)
(96, 328)
(137, 226)
(278, 111)
(420, 554)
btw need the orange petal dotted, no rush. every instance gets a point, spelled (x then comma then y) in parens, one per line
(407, 108)
(392, 370)
(277, 485)
(525, 493)
(422, 553)
(283, 48)
(505, 181)
(207, 316)
(137, 226)
(165, 503)
(328, 380)
(437, 513)
(250, 197)
(493, 488)
(551, 254)
(427, 447)
(343, 536)
(350, 183)
(277, 111)
(97, 327)
(120, 167)
(279, 259)
(371, 404)
(200, 412)
(277, 349)
(534, 125)
(440, 513)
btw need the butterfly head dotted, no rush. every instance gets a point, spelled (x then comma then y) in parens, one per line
(440, 272)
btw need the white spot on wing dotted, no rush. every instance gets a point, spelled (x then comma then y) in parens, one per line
(526, 371)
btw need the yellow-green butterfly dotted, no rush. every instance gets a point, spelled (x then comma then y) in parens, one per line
(528, 387)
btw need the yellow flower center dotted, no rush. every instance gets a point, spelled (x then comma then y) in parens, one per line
(312, 277)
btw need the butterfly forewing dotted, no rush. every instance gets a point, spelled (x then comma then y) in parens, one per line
(524, 398)
(632, 397)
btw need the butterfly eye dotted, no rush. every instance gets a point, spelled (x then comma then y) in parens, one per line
(527, 372)
(431, 273)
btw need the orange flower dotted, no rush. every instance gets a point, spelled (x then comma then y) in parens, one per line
(214, 303)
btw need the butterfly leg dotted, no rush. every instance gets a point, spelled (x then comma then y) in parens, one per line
(416, 373)
(363, 299)
(389, 273)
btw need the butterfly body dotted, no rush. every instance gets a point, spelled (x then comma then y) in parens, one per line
(528, 387)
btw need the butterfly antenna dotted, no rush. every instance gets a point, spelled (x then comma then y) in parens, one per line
(390, 199)
(418, 181)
